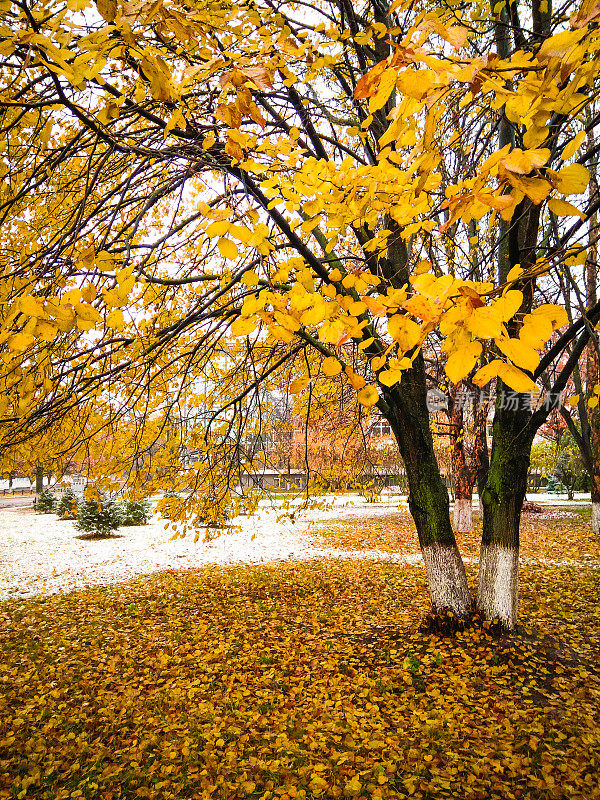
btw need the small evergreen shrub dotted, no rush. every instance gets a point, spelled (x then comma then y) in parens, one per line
(135, 512)
(99, 516)
(45, 502)
(67, 505)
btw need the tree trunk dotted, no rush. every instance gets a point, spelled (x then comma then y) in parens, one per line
(406, 410)
(592, 361)
(463, 514)
(463, 473)
(596, 505)
(39, 478)
(503, 496)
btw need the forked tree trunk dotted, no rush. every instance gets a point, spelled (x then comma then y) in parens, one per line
(467, 462)
(407, 413)
(463, 473)
(503, 496)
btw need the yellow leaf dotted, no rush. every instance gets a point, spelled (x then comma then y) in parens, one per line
(356, 381)
(248, 786)
(460, 363)
(87, 312)
(555, 315)
(404, 331)
(318, 784)
(331, 366)
(484, 375)
(485, 323)
(30, 306)
(578, 256)
(421, 307)
(572, 179)
(374, 306)
(115, 319)
(520, 353)
(573, 400)
(298, 385)
(241, 233)
(218, 228)
(353, 787)
(515, 378)
(593, 401)
(514, 273)
(508, 305)
(242, 326)
(227, 248)
(416, 83)
(571, 147)
(535, 331)
(20, 341)
(562, 208)
(559, 45)
(384, 90)
(89, 293)
(356, 308)
(249, 278)
(524, 161)
(107, 9)
(536, 189)
(389, 377)
(45, 330)
(312, 316)
(280, 333)
(368, 396)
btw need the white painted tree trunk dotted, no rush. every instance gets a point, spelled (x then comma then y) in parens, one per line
(596, 518)
(498, 592)
(447, 580)
(463, 514)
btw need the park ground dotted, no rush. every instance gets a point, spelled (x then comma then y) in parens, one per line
(239, 670)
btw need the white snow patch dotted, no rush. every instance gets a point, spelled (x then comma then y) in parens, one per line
(40, 554)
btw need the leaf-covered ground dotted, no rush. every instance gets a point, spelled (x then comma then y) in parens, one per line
(301, 680)
(554, 535)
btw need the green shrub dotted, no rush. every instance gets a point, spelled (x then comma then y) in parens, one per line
(99, 517)
(135, 512)
(45, 502)
(67, 505)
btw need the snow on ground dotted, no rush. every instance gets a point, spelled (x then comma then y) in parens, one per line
(40, 554)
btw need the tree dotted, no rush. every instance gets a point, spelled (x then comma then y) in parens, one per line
(245, 189)
(67, 505)
(98, 515)
(544, 455)
(586, 374)
(570, 468)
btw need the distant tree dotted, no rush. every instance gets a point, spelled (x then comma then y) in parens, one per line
(98, 515)
(570, 467)
(45, 503)
(67, 505)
